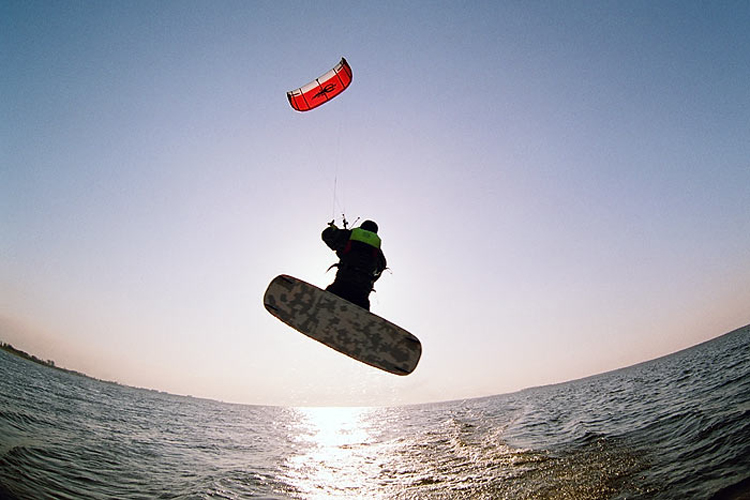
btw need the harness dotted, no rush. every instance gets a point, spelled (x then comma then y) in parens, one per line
(362, 236)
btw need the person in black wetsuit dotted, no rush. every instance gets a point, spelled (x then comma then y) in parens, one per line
(361, 261)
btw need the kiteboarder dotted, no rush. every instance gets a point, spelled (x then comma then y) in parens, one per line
(361, 261)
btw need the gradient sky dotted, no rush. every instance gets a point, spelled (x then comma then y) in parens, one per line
(562, 188)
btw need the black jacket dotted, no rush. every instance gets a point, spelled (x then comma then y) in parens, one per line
(360, 265)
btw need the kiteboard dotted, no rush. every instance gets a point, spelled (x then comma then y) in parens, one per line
(343, 326)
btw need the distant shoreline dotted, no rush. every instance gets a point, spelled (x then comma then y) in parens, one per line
(49, 363)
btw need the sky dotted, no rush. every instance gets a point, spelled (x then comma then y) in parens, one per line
(562, 188)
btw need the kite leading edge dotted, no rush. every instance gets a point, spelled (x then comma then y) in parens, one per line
(322, 89)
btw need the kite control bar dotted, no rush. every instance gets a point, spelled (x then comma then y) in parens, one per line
(344, 221)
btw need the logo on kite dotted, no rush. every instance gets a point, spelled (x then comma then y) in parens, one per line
(322, 89)
(325, 91)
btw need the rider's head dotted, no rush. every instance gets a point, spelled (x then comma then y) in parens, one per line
(369, 225)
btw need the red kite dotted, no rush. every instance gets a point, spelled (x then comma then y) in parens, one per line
(322, 89)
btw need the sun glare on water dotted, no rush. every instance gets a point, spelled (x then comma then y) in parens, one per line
(335, 452)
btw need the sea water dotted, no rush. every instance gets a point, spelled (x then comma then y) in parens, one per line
(675, 427)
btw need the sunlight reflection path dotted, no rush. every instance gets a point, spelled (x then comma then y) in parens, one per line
(337, 453)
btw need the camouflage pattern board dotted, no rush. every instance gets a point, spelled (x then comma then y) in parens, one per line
(341, 325)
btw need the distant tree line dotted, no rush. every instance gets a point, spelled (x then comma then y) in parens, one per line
(23, 354)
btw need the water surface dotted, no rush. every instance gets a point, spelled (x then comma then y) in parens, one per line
(676, 427)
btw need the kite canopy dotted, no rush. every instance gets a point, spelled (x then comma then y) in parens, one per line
(322, 89)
